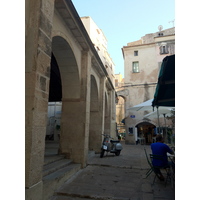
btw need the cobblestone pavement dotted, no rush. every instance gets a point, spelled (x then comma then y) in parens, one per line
(116, 177)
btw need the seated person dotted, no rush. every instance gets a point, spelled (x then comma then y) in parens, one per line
(159, 148)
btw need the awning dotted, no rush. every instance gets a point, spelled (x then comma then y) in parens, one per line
(165, 90)
(147, 105)
(167, 111)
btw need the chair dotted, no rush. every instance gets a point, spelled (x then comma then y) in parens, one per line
(150, 164)
(156, 169)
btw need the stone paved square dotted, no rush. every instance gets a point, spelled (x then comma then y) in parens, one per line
(116, 177)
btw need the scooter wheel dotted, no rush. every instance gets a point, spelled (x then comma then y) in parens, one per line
(102, 153)
(117, 153)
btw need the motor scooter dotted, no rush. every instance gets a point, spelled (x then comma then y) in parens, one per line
(110, 145)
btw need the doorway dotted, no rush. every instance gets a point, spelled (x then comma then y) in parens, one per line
(146, 130)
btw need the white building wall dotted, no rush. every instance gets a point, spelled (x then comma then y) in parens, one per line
(147, 65)
(100, 43)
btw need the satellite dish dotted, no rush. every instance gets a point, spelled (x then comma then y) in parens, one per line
(160, 27)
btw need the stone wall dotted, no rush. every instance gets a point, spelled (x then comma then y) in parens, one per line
(48, 31)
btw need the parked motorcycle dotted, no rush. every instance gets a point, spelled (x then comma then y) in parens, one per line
(110, 145)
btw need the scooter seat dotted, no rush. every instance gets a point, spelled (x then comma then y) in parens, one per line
(114, 141)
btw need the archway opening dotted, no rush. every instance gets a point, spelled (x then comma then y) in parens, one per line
(120, 115)
(106, 115)
(55, 85)
(147, 131)
(94, 130)
(54, 109)
(64, 88)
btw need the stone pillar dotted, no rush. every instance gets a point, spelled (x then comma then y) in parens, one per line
(97, 121)
(113, 115)
(107, 119)
(75, 118)
(95, 131)
(37, 67)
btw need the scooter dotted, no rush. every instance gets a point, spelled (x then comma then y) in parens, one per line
(109, 145)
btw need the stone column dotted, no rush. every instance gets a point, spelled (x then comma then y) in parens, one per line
(75, 118)
(97, 121)
(113, 115)
(107, 119)
(37, 67)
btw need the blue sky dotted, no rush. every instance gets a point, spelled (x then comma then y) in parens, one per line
(124, 21)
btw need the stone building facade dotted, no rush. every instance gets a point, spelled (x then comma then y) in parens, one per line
(62, 65)
(142, 62)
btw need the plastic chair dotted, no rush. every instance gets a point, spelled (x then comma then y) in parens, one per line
(157, 169)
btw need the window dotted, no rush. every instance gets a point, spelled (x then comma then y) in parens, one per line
(135, 53)
(135, 67)
(164, 49)
(130, 130)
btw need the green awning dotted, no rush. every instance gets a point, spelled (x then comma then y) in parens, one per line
(165, 90)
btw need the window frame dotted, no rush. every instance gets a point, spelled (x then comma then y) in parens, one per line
(135, 69)
(164, 49)
(136, 53)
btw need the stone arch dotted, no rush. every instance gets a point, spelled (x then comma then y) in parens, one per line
(141, 121)
(73, 116)
(68, 67)
(145, 129)
(106, 115)
(122, 96)
(54, 104)
(94, 76)
(120, 114)
(106, 105)
(55, 85)
(64, 84)
(95, 117)
(94, 97)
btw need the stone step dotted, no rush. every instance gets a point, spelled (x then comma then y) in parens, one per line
(52, 158)
(54, 166)
(54, 180)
